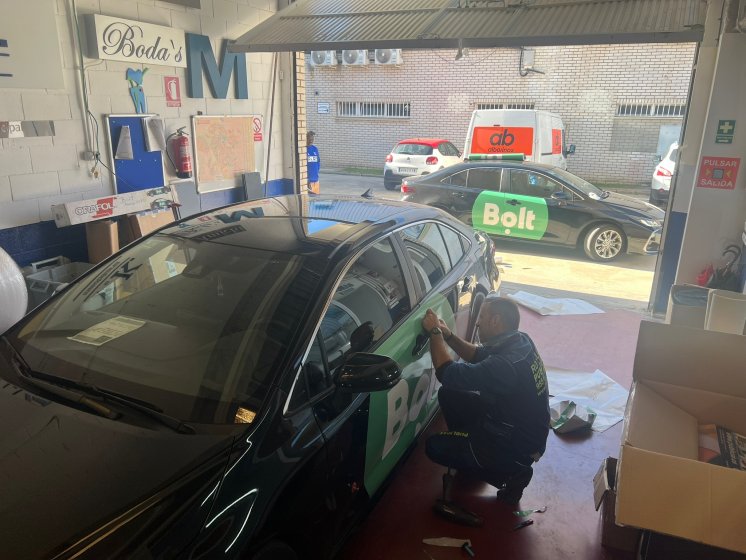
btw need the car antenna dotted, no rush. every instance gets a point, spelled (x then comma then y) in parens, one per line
(367, 194)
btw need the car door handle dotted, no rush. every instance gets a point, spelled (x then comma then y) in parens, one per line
(512, 202)
(419, 344)
(466, 285)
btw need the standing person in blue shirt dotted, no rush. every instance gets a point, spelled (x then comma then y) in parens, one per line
(314, 163)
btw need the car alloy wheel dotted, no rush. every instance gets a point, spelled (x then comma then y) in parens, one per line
(604, 243)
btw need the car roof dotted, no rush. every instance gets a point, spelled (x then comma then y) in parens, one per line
(426, 141)
(495, 163)
(323, 226)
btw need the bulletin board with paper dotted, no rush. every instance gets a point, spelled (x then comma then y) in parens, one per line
(135, 145)
(224, 149)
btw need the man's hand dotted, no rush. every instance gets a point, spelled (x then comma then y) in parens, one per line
(431, 320)
(446, 331)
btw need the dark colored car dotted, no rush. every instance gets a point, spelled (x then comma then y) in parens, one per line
(239, 384)
(537, 202)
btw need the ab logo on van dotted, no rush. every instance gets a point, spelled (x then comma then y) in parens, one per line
(526, 219)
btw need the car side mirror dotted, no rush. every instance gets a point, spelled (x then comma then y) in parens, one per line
(366, 373)
(570, 149)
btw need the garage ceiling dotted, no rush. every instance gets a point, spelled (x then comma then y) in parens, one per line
(425, 24)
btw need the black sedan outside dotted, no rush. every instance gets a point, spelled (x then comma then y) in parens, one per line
(541, 203)
(237, 385)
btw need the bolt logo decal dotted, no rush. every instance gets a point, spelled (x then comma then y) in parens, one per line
(511, 215)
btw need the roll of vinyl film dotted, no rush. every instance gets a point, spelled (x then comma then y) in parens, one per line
(13, 294)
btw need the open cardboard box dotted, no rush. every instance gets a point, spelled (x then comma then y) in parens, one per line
(683, 377)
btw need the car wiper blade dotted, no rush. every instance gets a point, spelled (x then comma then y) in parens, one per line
(143, 407)
(66, 393)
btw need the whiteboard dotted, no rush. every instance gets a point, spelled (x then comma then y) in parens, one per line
(224, 148)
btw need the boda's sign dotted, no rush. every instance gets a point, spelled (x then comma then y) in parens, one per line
(133, 41)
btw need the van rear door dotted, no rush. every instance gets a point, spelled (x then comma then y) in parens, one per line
(498, 131)
(558, 142)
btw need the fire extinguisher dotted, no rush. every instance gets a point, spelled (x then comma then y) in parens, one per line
(180, 148)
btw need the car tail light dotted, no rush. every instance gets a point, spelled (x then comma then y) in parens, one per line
(389, 158)
(406, 187)
(432, 160)
(662, 172)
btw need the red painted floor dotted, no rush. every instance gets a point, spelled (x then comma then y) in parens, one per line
(563, 479)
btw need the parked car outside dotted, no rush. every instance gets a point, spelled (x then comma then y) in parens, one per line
(661, 183)
(541, 203)
(418, 156)
(239, 384)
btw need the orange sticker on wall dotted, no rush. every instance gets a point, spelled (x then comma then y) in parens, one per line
(718, 173)
(556, 141)
(502, 140)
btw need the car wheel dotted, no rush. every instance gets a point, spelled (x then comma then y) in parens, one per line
(275, 550)
(652, 199)
(390, 185)
(604, 243)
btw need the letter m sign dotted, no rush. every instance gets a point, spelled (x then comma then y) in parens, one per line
(200, 55)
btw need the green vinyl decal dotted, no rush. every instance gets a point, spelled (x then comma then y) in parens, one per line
(511, 215)
(396, 416)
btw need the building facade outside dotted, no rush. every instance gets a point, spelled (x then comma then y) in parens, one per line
(622, 105)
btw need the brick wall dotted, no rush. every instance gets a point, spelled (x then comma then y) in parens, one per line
(581, 83)
(38, 172)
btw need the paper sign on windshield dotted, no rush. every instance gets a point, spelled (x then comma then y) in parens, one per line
(503, 140)
(511, 215)
(100, 334)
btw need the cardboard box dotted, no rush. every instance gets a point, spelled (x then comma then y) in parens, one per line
(654, 546)
(604, 495)
(83, 211)
(103, 239)
(683, 377)
(137, 225)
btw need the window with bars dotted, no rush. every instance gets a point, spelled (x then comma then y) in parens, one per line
(374, 109)
(658, 108)
(516, 104)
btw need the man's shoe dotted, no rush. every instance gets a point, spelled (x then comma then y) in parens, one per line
(512, 490)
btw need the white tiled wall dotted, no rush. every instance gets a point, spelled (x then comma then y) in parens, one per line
(38, 172)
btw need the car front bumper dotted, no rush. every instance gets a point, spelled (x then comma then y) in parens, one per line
(645, 245)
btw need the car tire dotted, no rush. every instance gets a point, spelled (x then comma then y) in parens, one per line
(604, 243)
(390, 185)
(275, 550)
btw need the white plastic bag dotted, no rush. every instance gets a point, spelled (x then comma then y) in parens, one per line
(566, 416)
(13, 294)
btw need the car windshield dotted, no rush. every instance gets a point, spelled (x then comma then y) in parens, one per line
(582, 185)
(196, 328)
(413, 149)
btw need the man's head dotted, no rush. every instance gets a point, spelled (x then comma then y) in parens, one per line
(497, 316)
(309, 137)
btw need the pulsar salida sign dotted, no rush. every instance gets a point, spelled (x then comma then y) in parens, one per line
(511, 215)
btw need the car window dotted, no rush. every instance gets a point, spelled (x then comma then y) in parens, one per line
(484, 178)
(673, 155)
(194, 327)
(454, 150)
(371, 298)
(458, 179)
(413, 149)
(427, 250)
(528, 183)
(453, 244)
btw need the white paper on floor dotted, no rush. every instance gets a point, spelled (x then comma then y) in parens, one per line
(596, 391)
(554, 306)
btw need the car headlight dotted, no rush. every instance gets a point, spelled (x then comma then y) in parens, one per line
(650, 223)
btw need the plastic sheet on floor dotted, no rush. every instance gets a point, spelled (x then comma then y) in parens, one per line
(596, 391)
(554, 306)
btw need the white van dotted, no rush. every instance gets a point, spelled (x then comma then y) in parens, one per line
(538, 135)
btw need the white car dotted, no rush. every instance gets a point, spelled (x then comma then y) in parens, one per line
(418, 156)
(661, 183)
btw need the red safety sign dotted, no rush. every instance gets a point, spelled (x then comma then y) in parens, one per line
(256, 123)
(718, 173)
(173, 92)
